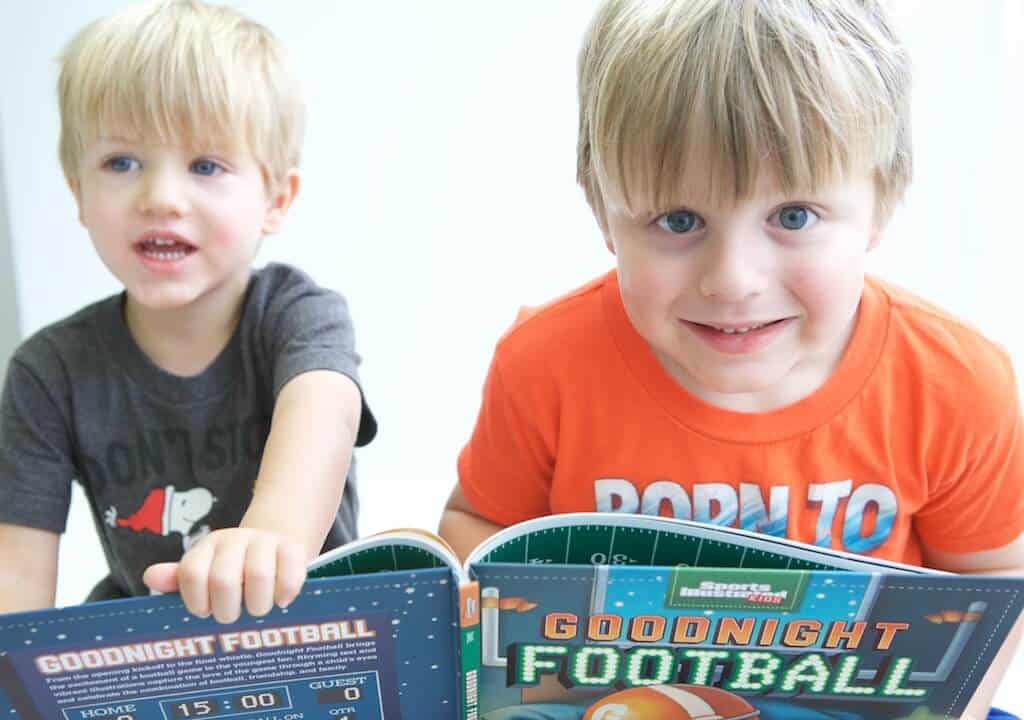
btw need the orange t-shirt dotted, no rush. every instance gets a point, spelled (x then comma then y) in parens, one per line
(914, 440)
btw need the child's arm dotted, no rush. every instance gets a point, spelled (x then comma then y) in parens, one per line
(295, 500)
(461, 527)
(28, 568)
(1007, 560)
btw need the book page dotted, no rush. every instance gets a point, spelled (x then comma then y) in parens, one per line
(402, 549)
(613, 539)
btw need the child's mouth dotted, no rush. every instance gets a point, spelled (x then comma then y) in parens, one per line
(743, 329)
(164, 249)
(737, 339)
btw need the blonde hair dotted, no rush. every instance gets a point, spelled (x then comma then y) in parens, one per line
(816, 88)
(183, 72)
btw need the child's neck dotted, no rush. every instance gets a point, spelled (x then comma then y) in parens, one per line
(186, 340)
(802, 382)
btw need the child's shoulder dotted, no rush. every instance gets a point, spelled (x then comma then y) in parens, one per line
(281, 284)
(569, 321)
(69, 341)
(285, 302)
(937, 334)
(276, 278)
(947, 356)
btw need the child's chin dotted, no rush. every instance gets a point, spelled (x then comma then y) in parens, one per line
(160, 301)
(741, 383)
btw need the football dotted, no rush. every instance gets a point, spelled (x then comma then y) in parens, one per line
(672, 702)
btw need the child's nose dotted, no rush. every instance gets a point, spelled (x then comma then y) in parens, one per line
(162, 194)
(730, 273)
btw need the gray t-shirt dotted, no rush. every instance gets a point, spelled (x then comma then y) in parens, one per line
(163, 459)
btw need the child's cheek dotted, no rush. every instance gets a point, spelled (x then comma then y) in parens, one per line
(96, 212)
(652, 288)
(828, 290)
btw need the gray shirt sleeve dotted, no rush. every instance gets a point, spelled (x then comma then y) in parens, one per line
(307, 327)
(36, 460)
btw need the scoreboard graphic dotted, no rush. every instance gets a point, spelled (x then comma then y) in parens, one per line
(360, 648)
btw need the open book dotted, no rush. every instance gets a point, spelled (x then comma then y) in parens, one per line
(581, 617)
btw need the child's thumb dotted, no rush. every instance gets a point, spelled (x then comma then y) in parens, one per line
(161, 577)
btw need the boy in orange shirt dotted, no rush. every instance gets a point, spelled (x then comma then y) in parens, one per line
(738, 367)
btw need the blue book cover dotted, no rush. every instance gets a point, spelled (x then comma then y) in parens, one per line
(370, 647)
(591, 617)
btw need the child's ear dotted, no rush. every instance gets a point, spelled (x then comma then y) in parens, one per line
(874, 238)
(76, 190)
(597, 205)
(281, 201)
(608, 241)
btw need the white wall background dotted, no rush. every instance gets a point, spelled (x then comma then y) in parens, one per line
(439, 196)
(10, 329)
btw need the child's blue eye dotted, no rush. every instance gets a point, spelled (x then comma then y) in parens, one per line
(679, 221)
(122, 163)
(796, 217)
(205, 167)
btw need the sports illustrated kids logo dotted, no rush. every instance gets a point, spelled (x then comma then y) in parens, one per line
(757, 590)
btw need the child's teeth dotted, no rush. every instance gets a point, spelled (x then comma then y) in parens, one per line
(166, 255)
(734, 331)
(164, 248)
(153, 251)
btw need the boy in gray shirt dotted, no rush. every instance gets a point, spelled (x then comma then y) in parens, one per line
(208, 411)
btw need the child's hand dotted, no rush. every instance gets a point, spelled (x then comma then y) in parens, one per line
(229, 566)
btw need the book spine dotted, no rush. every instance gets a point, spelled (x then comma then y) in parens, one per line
(469, 648)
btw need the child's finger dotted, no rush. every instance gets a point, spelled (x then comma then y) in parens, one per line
(291, 573)
(260, 578)
(226, 574)
(161, 577)
(193, 577)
